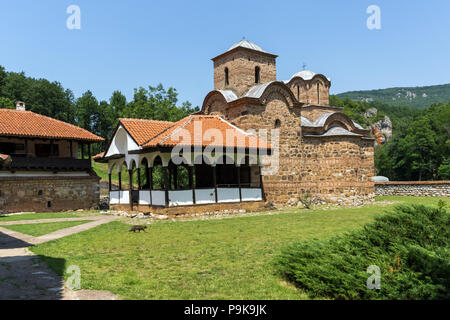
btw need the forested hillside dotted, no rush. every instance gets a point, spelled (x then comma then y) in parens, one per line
(419, 148)
(416, 97)
(99, 117)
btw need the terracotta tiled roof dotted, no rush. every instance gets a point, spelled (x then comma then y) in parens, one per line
(143, 130)
(3, 157)
(197, 125)
(33, 125)
(98, 156)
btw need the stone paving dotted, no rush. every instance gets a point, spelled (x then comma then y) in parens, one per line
(23, 276)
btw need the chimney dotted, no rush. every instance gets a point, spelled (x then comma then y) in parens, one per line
(20, 106)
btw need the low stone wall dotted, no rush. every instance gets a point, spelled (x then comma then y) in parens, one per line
(413, 188)
(44, 194)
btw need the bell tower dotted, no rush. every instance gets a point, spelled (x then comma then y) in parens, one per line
(243, 66)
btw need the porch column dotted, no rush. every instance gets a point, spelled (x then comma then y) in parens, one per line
(130, 174)
(150, 182)
(215, 182)
(139, 178)
(71, 149)
(120, 184)
(175, 177)
(191, 182)
(52, 150)
(261, 183)
(89, 152)
(239, 183)
(166, 184)
(82, 150)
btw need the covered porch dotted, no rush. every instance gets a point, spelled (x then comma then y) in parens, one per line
(154, 180)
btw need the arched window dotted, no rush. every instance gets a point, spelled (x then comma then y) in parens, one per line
(158, 174)
(257, 74)
(227, 79)
(277, 123)
(318, 93)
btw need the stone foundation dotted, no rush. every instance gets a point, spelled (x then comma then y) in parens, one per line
(48, 194)
(189, 210)
(413, 188)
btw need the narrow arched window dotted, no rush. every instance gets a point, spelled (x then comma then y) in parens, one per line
(227, 79)
(257, 74)
(298, 93)
(318, 94)
(277, 123)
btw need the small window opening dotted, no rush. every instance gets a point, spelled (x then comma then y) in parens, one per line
(40, 193)
(277, 123)
(257, 74)
(227, 79)
(318, 94)
(49, 204)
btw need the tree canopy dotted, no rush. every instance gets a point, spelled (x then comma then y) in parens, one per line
(99, 117)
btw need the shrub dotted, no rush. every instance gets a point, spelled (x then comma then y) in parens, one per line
(306, 200)
(410, 246)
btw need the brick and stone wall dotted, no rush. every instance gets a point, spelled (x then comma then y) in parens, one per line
(46, 194)
(330, 169)
(314, 92)
(241, 66)
(413, 188)
(334, 169)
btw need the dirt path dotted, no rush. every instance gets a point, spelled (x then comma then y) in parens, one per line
(23, 276)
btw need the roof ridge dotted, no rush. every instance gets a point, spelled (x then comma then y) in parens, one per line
(159, 134)
(52, 120)
(179, 128)
(146, 120)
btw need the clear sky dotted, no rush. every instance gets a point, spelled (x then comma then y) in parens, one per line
(126, 44)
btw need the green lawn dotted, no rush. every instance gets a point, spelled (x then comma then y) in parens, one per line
(101, 169)
(39, 229)
(209, 259)
(44, 215)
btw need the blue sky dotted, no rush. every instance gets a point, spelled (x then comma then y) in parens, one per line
(126, 44)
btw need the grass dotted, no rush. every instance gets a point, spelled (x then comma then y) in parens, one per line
(101, 169)
(208, 259)
(40, 229)
(44, 215)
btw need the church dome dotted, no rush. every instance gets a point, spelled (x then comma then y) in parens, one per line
(304, 74)
(246, 44)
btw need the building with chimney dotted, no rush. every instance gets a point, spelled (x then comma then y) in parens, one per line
(45, 164)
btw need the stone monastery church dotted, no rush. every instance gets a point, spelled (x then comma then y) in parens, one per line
(320, 151)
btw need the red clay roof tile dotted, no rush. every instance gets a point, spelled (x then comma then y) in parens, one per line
(143, 130)
(33, 125)
(197, 125)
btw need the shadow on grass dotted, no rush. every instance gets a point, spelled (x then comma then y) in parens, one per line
(27, 277)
